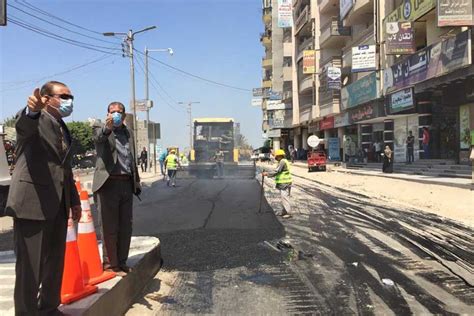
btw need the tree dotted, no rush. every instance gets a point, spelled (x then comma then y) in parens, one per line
(9, 122)
(82, 133)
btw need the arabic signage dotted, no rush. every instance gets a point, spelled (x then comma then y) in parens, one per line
(327, 123)
(334, 149)
(400, 38)
(455, 13)
(341, 120)
(257, 92)
(432, 61)
(410, 10)
(401, 100)
(344, 7)
(279, 118)
(366, 112)
(275, 105)
(257, 102)
(359, 92)
(334, 78)
(274, 133)
(363, 58)
(309, 61)
(285, 13)
(274, 95)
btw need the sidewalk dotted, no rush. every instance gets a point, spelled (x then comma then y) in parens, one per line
(445, 181)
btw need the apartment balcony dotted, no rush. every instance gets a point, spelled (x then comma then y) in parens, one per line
(305, 113)
(287, 73)
(287, 95)
(266, 83)
(267, 63)
(305, 83)
(302, 20)
(307, 44)
(267, 16)
(266, 39)
(334, 34)
(287, 49)
(328, 6)
(360, 12)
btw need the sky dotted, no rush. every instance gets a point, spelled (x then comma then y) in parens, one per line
(214, 39)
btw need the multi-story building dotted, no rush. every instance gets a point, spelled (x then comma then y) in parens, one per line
(277, 75)
(383, 68)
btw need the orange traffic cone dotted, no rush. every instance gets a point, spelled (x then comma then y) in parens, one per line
(88, 248)
(73, 288)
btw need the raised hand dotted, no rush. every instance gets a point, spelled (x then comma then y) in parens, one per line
(109, 123)
(36, 102)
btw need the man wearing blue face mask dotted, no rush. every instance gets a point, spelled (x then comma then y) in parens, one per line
(42, 194)
(115, 181)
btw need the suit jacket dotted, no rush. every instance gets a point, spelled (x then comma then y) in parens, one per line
(107, 158)
(43, 178)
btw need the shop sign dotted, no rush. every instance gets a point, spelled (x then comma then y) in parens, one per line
(327, 123)
(274, 95)
(464, 126)
(410, 10)
(359, 92)
(274, 133)
(334, 149)
(334, 78)
(275, 105)
(401, 100)
(257, 92)
(365, 112)
(455, 13)
(344, 7)
(257, 102)
(341, 120)
(313, 127)
(309, 61)
(363, 58)
(400, 38)
(430, 62)
(285, 13)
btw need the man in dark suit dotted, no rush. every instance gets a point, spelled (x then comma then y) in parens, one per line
(42, 192)
(115, 181)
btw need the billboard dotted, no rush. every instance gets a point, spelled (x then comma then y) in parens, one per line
(455, 13)
(401, 100)
(334, 78)
(309, 61)
(3, 12)
(285, 13)
(410, 10)
(400, 38)
(364, 58)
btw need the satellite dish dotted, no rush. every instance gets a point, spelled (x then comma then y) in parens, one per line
(313, 141)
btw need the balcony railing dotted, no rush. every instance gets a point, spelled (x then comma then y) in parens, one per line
(334, 30)
(267, 62)
(302, 19)
(305, 83)
(266, 83)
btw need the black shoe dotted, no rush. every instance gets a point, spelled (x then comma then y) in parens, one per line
(126, 269)
(118, 272)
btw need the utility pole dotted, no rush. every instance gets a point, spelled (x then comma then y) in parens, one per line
(130, 36)
(190, 104)
(147, 97)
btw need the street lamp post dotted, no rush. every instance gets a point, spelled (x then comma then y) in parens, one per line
(190, 103)
(147, 96)
(130, 36)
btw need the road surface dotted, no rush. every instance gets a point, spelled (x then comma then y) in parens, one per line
(349, 253)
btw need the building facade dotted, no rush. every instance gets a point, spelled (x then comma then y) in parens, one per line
(370, 71)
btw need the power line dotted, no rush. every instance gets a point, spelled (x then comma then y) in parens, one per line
(56, 37)
(62, 27)
(140, 64)
(16, 85)
(34, 8)
(196, 76)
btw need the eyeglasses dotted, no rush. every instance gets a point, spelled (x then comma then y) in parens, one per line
(63, 96)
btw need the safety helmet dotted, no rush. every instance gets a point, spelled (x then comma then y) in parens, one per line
(280, 152)
(172, 151)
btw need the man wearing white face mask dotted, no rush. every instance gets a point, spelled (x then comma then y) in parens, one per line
(42, 194)
(115, 181)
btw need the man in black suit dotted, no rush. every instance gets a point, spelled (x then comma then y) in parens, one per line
(115, 181)
(42, 192)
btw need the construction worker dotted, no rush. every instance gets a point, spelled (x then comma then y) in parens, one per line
(283, 182)
(171, 165)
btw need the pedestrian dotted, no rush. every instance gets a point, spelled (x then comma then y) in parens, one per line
(292, 154)
(42, 194)
(172, 164)
(162, 162)
(378, 150)
(143, 159)
(426, 143)
(410, 147)
(116, 179)
(387, 166)
(283, 182)
(219, 159)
